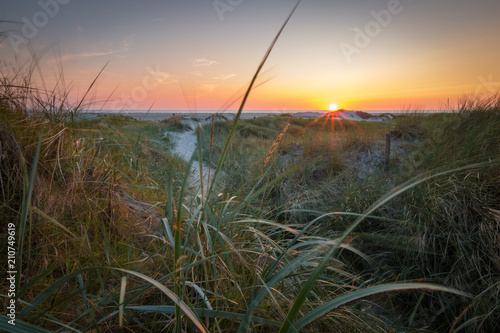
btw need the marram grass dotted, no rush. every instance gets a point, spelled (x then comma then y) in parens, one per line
(102, 252)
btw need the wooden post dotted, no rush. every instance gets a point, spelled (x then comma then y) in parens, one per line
(387, 151)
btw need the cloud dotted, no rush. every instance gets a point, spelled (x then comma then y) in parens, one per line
(208, 87)
(125, 47)
(224, 76)
(85, 55)
(204, 62)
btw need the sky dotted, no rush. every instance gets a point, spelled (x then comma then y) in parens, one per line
(197, 55)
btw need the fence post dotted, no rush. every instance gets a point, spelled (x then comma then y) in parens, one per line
(387, 151)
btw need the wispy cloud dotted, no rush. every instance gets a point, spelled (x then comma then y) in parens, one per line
(204, 62)
(224, 76)
(208, 87)
(126, 45)
(73, 56)
(124, 48)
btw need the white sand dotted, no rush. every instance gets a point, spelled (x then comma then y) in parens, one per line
(184, 143)
(184, 146)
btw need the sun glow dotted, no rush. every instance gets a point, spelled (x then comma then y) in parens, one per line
(333, 107)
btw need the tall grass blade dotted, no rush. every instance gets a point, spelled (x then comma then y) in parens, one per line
(57, 223)
(28, 192)
(49, 291)
(202, 313)
(77, 108)
(84, 293)
(54, 287)
(278, 277)
(245, 97)
(123, 289)
(367, 292)
(168, 231)
(94, 260)
(178, 302)
(415, 309)
(200, 162)
(177, 241)
(19, 327)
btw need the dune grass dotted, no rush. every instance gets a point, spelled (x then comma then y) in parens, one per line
(454, 220)
(218, 263)
(445, 229)
(291, 236)
(321, 154)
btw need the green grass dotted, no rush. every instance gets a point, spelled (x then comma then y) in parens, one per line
(218, 262)
(454, 219)
(321, 151)
(175, 124)
(301, 230)
(444, 229)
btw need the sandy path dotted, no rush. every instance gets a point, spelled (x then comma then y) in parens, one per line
(184, 146)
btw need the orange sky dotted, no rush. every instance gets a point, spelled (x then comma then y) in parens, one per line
(193, 55)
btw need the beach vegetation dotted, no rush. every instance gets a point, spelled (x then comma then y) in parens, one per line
(300, 228)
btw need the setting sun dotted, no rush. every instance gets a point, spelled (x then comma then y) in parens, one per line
(333, 107)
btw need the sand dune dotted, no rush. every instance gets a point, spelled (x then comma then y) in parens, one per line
(347, 115)
(203, 117)
(185, 143)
